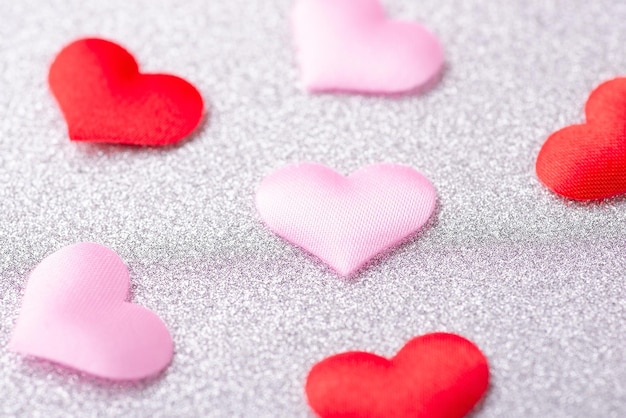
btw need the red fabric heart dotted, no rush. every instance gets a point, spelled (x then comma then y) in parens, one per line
(437, 375)
(588, 161)
(105, 98)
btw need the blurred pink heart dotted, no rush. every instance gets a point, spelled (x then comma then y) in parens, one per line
(345, 221)
(74, 313)
(350, 45)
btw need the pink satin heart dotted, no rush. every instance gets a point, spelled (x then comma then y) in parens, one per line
(74, 313)
(350, 45)
(345, 221)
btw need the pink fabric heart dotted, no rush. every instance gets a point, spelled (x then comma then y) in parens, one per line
(345, 221)
(350, 45)
(74, 313)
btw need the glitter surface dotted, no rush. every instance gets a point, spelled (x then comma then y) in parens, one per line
(536, 281)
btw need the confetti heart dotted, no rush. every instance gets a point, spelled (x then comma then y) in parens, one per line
(345, 221)
(588, 161)
(350, 45)
(433, 376)
(74, 313)
(105, 98)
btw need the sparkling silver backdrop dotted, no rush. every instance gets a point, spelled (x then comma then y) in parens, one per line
(536, 281)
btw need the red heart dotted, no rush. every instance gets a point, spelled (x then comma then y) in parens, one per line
(105, 98)
(437, 375)
(588, 161)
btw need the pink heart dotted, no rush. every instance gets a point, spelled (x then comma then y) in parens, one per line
(74, 313)
(350, 45)
(345, 221)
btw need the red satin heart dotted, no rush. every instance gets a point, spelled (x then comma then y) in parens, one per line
(437, 375)
(105, 98)
(588, 161)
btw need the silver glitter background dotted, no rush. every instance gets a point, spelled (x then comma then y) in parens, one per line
(536, 281)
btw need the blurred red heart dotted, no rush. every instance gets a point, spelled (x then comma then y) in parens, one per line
(437, 375)
(588, 161)
(105, 98)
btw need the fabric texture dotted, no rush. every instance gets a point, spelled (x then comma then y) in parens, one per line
(105, 98)
(350, 45)
(538, 283)
(437, 375)
(345, 221)
(588, 161)
(74, 313)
